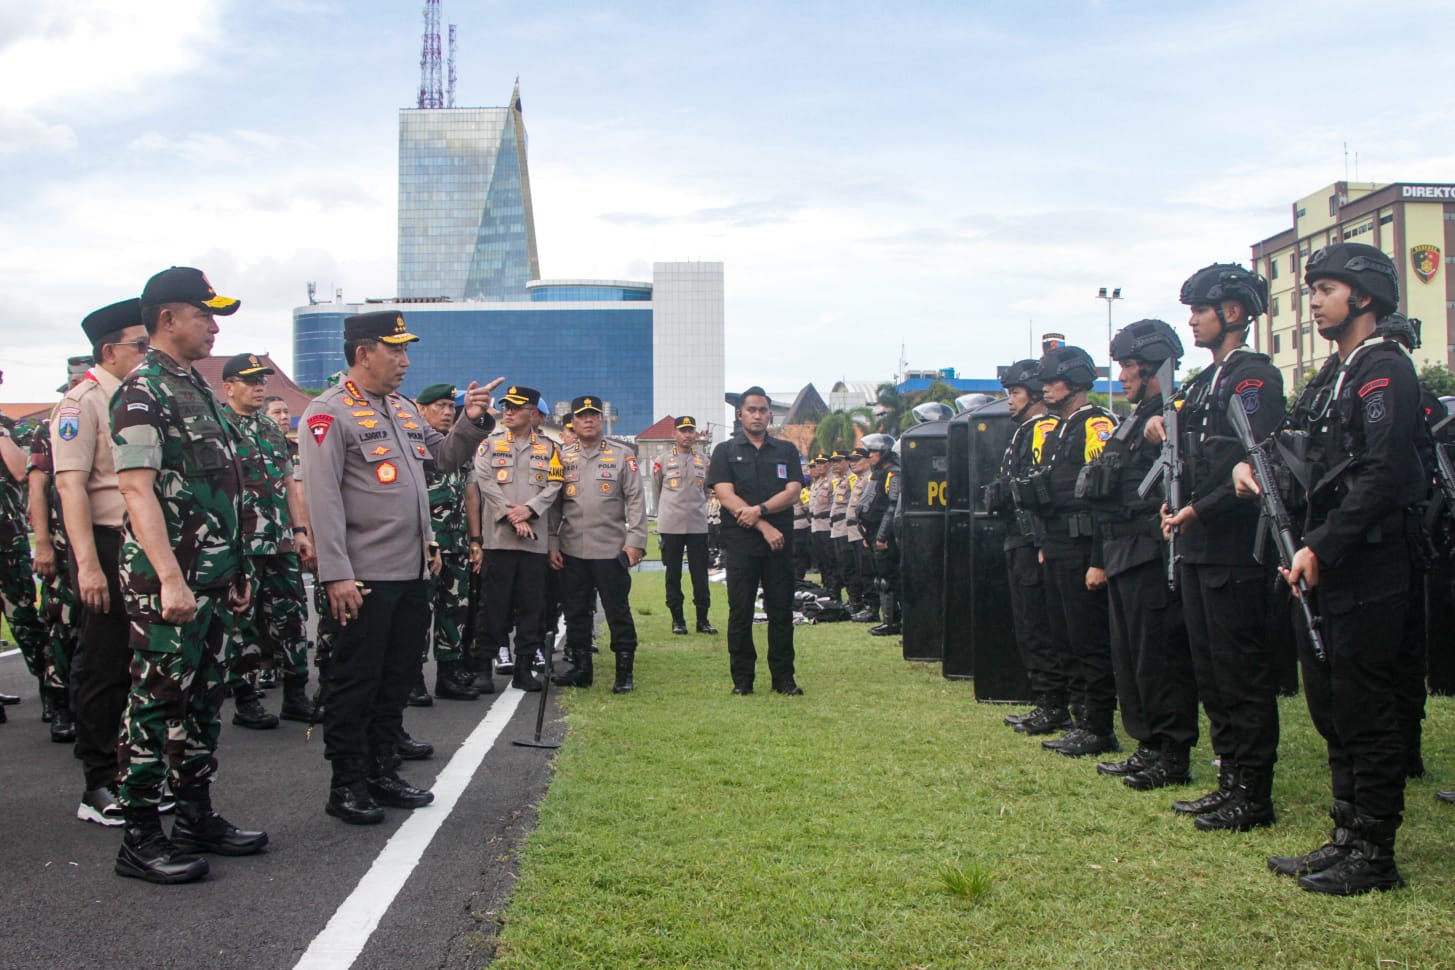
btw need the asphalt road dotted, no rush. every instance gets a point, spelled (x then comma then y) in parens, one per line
(63, 906)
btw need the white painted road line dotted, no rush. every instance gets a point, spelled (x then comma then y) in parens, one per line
(9, 653)
(343, 939)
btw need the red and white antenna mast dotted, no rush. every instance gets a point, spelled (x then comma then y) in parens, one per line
(430, 95)
(450, 83)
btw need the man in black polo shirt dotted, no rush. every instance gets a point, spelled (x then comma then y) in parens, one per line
(757, 478)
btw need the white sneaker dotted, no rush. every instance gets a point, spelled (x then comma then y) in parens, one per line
(503, 662)
(539, 663)
(99, 805)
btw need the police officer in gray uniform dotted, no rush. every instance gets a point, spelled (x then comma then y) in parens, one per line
(678, 483)
(599, 534)
(364, 454)
(519, 475)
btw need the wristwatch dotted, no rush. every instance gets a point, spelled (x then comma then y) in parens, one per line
(300, 530)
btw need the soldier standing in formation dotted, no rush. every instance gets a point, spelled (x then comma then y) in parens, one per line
(363, 472)
(17, 580)
(450, 565)
(182, 566)
(273, 630)
(1076, 590)
(846, 565)
(1045, 663)
(599, 536)
(1362, 415)
(679, 486)
(94, 512)
(802, 531)
(1150, 655)
(59, 608)
(859, 549)
(820, 511)
(1224, 588)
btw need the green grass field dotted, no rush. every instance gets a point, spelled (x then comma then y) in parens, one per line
(886, 819)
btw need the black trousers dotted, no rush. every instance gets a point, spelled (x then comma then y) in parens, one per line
(1045, 655)
(1151, 658)
(867, 573)
(1088, 632)
(101, 669)
(886, 567)
(802, 552)
(849, 568)
(695, 544)
(517, 584)
(582, 580)
(1354, 696)
(1225, 609)
(551, 606)
(1413, 666)
(828, 564)
(745, 574)
(374, 662)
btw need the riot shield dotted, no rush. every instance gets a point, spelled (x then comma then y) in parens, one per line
(959, 611)
(999, 675)
(924, 466)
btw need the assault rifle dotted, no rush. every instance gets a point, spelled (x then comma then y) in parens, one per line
(1444, 468)
(1275, 518)
(1168, 467)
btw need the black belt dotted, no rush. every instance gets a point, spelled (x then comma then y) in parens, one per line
(1124, 530)
(1077, 525)
(836, 518)
(820, 515)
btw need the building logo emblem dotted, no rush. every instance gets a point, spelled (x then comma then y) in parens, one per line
(1425, 260)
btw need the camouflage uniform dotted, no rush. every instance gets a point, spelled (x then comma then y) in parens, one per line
(449, 591)
(59, 607)
(17, 580)
(165, 418)
(276, 620)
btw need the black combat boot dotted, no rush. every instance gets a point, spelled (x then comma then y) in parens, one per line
(1096, 738)
(1213, 800)
(624, 684)
(250, 712)
(447, 683)
(387, 788)
(1335, 850)
(147, 853)
(579, 675)
(869, 614)
(1139, 759)
(704, 625)
(200, 829)
(63, 722)
(1167, 767)
(1011, 720)
(679, 622)
(1369, 866)
(419, 695)
(353, 804)
(296, 705)
(1249, 806)
(1047, 719)
(408, 749)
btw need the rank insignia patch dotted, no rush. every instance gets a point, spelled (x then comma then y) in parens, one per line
(571, 491)
(381, 450)
(367, 422)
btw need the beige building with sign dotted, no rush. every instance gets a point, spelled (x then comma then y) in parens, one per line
(1413, 222)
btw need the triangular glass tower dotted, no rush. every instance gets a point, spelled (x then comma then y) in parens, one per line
(466, 228)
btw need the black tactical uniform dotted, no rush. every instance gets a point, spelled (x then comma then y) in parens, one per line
(1042, 653)
(1224, 589)
(1363, 478)
(1150, 654)
(876, 519)
(1067, 547)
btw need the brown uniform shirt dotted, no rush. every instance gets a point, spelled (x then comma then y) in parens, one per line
(679, 482)
(511, 470)
(602, 507)
(81, 442)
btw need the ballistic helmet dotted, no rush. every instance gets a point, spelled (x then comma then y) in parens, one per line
(966, 402)
(1401, 329)
(1149, 341)
(1023, 373)
(881, 443)
(931, 411)
(1211, 285)
(1363, 267)
(1070, 364)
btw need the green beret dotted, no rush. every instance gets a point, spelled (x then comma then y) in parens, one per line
(436, 392)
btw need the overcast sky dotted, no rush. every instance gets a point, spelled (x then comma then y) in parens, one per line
(872, 174)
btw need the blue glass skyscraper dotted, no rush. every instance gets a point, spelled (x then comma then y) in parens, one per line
(466, 230)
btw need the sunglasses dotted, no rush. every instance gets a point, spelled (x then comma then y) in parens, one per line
(140, 344)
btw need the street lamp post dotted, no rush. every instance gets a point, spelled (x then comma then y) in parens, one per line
(1115, 294)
